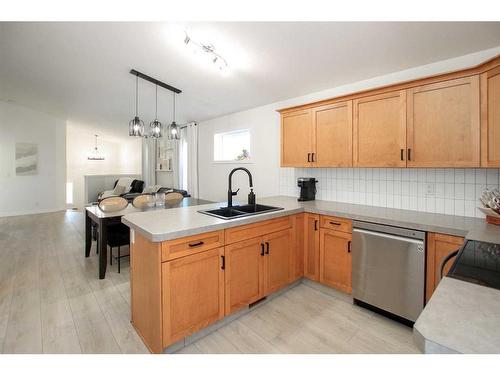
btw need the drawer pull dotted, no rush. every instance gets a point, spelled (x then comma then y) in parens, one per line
(267, 248)
(196, 244)
(262, 249)
(315, 224)
(349, 246)
(223, 262)
(335, 223)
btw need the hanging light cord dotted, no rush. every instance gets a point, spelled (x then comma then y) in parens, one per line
(156, 106)
(96, 142)
(173, 120)
(136, 94)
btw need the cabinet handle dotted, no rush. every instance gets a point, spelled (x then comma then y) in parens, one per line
(402, 154)
(335, 223)
(196, 244)
(312, 157)
(308, 157)
(262, 249)
(349, 246)
(223, 262)
(267, 248)
(315, 224)
(409, 154)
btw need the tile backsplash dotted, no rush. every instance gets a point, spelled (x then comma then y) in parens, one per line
(449, 191)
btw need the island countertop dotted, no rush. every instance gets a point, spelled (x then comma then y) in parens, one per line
(163, 225)
(461, 317)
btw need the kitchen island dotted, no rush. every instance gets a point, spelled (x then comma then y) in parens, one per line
(190, 270)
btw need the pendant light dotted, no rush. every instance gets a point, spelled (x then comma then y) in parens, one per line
(95, 155)
(155, 128)
(136, 125)
(173, 129)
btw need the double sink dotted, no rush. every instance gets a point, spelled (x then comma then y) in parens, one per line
(235, 212)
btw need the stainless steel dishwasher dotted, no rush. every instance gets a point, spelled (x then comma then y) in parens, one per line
(388, 268)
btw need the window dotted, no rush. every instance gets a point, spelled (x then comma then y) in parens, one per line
(232, 146)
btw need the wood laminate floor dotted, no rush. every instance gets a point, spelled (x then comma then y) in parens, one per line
(51, 301)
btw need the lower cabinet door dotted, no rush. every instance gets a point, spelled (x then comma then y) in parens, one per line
(277, 260)
(192, 294)
(311, 247)
(244, 273)
(438, 247)
(335, 259)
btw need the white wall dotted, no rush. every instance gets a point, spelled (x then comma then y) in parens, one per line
(45, 191)
(264, 124)
(122, 156)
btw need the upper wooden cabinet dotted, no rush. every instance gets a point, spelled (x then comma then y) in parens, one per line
(296, 139)
(443, 124)
(332, 135)
(448, 120)
(379, 130)
(490, 118)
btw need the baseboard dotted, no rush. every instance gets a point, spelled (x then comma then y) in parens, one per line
(30, 212)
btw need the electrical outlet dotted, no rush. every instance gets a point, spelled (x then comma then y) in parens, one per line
(431, 190)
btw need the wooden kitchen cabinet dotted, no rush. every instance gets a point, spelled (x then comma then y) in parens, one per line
(244, 273)
(443, 124)
(379, 130)
(296, 139)
(438, 247)
(192, 293)
(490, 118)
(277, 260)
(332, 135)
(335, 259)
(311, 248)
(298, 239)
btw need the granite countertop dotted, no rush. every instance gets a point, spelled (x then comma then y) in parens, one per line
(460, 317)
(164, 225)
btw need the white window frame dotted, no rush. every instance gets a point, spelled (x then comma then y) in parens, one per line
(247, 161)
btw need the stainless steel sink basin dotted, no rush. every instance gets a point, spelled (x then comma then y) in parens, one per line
(234, 212)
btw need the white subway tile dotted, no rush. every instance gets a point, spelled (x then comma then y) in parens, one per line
(470, 192)
(440, 175)
(470, 208)
(470, 176)
(459, 176)
(459, 207)
(492, 176)
(459, 191)
(449, 191)
(431, 175)
(397, 174)
(480, 176)
(449, 206)
(440, 190)
(449, 175)
(439, 205)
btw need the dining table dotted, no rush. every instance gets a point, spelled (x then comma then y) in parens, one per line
(94, 216)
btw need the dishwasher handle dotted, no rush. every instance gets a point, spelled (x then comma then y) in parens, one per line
(388, 236)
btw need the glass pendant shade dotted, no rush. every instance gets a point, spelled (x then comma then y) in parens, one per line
(173, 131)
(155, 127)
(136, 127)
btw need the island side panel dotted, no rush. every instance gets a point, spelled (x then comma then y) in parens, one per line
(145, 263)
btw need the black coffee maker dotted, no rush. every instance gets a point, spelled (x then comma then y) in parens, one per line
(307, 188)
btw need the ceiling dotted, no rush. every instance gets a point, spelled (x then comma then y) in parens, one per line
(79, 71)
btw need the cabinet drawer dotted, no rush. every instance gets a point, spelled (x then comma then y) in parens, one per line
(245, 232)
(336, 223)
(191, 245)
